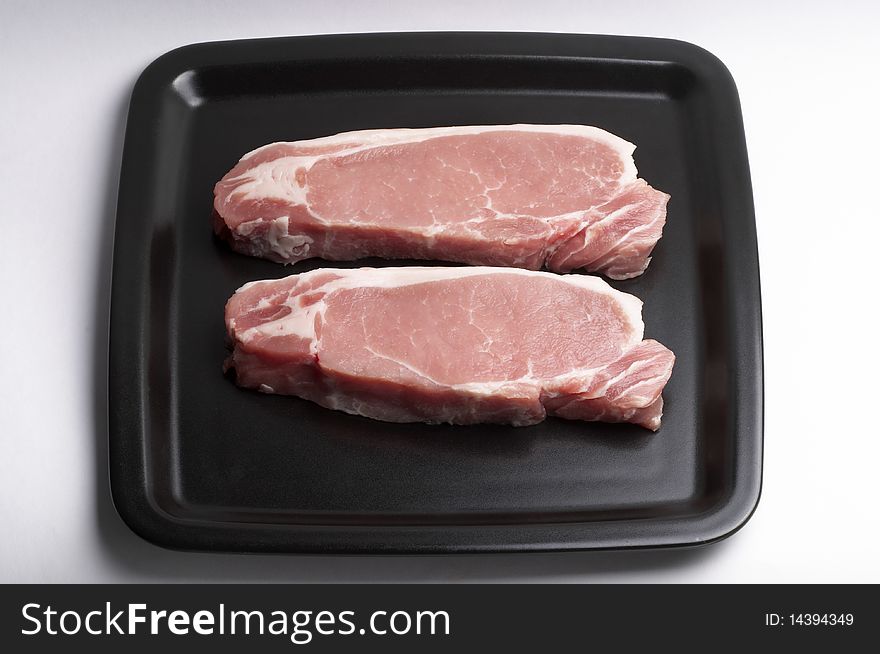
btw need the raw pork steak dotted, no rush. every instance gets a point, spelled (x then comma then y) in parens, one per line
(457, 345)
(560, 196)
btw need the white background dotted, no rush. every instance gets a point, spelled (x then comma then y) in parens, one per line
(808, 79)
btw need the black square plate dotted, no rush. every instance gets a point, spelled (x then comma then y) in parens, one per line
(197, 463)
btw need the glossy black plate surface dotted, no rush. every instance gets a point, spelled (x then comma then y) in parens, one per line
(197, 463)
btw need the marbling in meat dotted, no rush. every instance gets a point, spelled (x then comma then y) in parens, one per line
(564, 197)
(459, 345)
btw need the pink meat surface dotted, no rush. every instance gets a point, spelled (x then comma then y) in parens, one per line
(564, 197)
(457, 345)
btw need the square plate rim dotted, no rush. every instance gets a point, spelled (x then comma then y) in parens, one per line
(134, 501)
